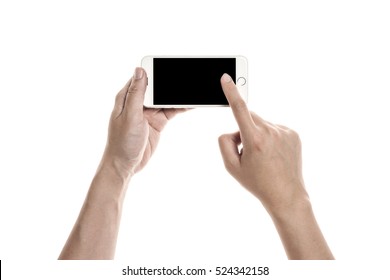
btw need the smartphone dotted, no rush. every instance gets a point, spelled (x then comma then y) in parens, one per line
(192, 81)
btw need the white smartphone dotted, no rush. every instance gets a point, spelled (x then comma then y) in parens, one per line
(192, 81)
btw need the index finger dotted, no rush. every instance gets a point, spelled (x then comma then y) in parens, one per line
(238, 105)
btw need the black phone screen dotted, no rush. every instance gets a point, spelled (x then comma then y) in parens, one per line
(190, 81)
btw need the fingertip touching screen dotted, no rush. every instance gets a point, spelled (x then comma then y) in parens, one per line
(190, 81)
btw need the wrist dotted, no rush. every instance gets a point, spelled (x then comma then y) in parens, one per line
(111, 178)
(284, 200)
(116, 167)
(292, 212)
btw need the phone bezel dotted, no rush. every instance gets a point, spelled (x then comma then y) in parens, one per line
(241, 71)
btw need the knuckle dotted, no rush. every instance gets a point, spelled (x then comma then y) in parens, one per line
(293, 133)
(263, 137)
(294, 136)
(257, 141)
(273, 132)
(133, 89)
(136, 86)
(222, 138)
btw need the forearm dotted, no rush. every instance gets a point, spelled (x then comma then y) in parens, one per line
(95, 233)
(300, 234)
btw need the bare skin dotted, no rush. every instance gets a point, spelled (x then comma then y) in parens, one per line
(133, 135)
(269, 165)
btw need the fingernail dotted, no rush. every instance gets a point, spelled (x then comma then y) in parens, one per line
(226, 78)
(138, 73)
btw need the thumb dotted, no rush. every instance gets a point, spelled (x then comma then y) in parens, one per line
(136, 91)
(228, 144)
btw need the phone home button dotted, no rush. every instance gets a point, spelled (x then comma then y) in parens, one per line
(241, 81)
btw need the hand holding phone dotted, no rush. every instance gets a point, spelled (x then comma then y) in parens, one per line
(192, 81)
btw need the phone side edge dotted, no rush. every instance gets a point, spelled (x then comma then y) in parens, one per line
(147, 65)
(242, 71)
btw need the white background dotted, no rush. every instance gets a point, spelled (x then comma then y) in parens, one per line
(319, 67)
